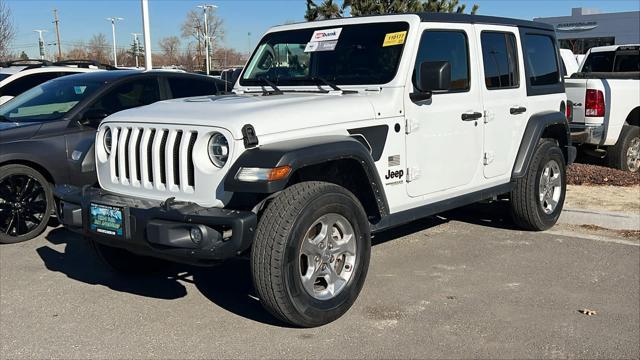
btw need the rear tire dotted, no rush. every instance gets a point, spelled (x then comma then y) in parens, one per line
(125, 262)
(26, 203)
(311, 253)
(625, 154)
(537, 198)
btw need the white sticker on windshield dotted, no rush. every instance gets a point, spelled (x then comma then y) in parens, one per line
(79, 90)
(321, 46)
(326, 35)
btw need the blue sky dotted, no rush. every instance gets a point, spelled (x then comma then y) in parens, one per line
(80, 19)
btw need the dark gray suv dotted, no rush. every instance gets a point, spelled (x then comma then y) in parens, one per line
(47, 135)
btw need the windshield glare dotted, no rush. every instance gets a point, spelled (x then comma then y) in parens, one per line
(355, 55)
(49, 101)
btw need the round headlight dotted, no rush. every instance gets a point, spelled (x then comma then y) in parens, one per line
(218, 149)
(107, 141)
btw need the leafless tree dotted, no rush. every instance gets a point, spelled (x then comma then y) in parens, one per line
(77, 52)
(170, 47)
(193, 28)
(7, 30)
(98, 48)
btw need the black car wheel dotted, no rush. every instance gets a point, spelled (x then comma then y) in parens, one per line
(25, 203)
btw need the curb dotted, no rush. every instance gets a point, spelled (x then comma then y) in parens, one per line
(604, 219)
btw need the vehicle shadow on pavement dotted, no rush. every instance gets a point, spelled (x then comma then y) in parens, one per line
(228, 285)
(495, 214)
(79, 262)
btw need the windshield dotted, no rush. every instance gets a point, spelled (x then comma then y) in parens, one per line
(49, 101)
(612, 61)
(4, 76)
(347, 55)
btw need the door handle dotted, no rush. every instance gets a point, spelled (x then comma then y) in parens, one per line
(471, 116)
(517, 110)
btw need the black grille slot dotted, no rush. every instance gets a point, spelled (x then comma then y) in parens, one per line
(150, 155)
(126, 154)
(163, 168)
(176, 158)
(138, 152)
(114, 151)
(190, 169)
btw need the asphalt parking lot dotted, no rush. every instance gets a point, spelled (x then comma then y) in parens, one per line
(456, 287)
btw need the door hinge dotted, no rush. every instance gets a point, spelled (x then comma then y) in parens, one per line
(411, 126)
(413, 173)
(489, 156)
(488, 116)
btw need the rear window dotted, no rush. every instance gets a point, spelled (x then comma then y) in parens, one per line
(612, 61)
(4, 76)
(500, 58)
(542, 60)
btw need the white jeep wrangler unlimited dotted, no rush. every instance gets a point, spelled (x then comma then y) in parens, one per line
(338, 129)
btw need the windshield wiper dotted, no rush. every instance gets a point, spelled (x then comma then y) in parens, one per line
(326, 82)
(272, 84)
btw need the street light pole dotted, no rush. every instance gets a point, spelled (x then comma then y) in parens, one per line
(113, 32)
(207, 42)
(147, 35)
(41, 42)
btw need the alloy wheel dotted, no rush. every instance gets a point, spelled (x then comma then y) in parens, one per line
(23, 204)
(327, 256)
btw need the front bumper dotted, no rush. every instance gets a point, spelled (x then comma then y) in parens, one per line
(160, 229)
(587, 134)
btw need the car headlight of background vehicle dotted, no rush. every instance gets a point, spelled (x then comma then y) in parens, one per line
(106, 140)
(218, 149)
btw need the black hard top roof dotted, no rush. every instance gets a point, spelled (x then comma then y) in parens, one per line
(482, 19)
(462, 18)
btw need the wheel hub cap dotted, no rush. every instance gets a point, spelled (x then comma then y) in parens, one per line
(327, 256)
(550, 188)
(633, 155)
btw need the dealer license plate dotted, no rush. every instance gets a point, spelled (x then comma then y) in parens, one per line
(106, 220)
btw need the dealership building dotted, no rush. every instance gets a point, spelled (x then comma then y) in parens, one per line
(586, 28)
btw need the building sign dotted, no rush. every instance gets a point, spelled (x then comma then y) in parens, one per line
(577, 26)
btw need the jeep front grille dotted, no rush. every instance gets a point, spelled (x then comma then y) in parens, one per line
(153, 158)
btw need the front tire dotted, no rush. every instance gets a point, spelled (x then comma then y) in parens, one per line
(625, 154)
(26, 202)
(311, 253)
(537, 198)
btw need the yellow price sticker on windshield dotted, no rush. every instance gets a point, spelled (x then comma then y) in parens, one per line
(396, 38)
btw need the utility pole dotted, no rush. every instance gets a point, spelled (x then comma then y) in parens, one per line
(56, 21)
(199, 56)
(113, 32)
(147, 35)
(207, 43)
(41, 42)
(136, 47)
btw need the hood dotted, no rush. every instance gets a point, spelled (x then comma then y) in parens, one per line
(268, 114)
(11, 131)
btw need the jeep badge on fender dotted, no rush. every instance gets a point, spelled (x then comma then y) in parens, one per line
(303, 191)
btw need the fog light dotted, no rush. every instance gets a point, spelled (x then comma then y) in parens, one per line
(196, 235)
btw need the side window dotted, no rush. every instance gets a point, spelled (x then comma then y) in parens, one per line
(186, 87)
(541, 60)
(446, 45)
(129, 95)
(500, 57)
(25, 83)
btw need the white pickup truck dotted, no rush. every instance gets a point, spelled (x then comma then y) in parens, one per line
(605, 93)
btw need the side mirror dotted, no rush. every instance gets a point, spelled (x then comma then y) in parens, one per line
(93, 117)
(433, 76)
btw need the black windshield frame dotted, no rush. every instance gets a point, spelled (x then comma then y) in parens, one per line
(367, 38)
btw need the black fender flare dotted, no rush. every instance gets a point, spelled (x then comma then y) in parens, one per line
(536, 127)
(300, 153)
